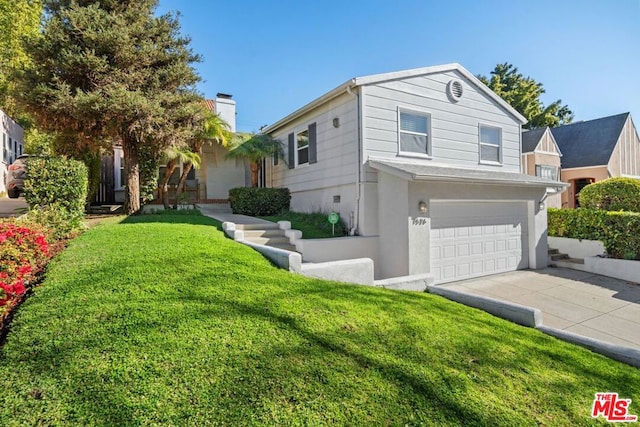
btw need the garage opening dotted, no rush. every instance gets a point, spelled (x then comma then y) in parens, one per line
(472, 239)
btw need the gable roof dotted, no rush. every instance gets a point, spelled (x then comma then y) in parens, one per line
(531, 139)
(589, 143)
(397, 75)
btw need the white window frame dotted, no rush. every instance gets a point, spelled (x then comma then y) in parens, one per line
(428, 154)
(118, 156)
(480, 144)
(297, 149)
(548, 167)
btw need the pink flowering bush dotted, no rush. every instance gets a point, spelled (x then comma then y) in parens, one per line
(24, 252)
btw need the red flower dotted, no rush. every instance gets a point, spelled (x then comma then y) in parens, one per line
(18, 288)
(24, 270)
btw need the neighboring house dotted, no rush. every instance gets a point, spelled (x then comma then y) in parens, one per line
(216, 175)
(541, 157)
(595, 150)
(12, 145)
(427, 162)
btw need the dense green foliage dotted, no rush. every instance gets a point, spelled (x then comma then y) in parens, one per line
(161, 320)
(56, 181)
(613, 194)
(19, 20)
(523, 94)
(114, 71)
(313, 225)
(618, 231)
(257, 201)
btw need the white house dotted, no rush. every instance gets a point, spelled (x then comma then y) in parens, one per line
(12, 145)
(426, 161)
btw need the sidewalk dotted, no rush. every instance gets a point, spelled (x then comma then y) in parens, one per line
(221, 216)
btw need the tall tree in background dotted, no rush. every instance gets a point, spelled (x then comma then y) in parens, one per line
(523, 94)
(111, 71)
(19, 20)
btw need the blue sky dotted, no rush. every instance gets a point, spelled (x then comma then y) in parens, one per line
(275, 56)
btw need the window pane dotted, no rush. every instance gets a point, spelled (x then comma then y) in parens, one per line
(413, 123)
(192, 173)
(303, 155)
(413, 143)
(490, 153)
(303, 139)
(489, 135)
(546, 171)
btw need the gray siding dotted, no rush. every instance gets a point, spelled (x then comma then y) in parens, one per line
(454, 126)
(337, 148)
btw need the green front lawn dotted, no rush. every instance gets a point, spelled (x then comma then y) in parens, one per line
(160, 320)
(312, 225)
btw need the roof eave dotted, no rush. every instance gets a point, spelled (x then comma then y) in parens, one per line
(351, 83)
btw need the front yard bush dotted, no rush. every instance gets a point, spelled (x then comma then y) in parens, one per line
(57, 181)
(24, 252)
(257, 201)
(618, 231)
(613, 194)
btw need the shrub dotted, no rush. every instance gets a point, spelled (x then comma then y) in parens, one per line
(618, 231)
(613, 194)
(257, 201)
(56, 180)
(24, 252)
(59, 221)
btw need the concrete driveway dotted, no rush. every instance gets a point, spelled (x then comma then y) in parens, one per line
(586, 304)
(9, 206)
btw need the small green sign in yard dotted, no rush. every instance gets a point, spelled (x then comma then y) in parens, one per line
(333, 218)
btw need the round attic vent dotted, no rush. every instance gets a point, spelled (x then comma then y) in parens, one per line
(455, 90)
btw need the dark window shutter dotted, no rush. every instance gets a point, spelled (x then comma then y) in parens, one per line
(275, 158)
(313, 152)
(292, 154)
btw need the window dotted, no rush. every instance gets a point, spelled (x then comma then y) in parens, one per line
(490, 144)
(302, 147)
(546, 171)
(123, 178)
(413, 138)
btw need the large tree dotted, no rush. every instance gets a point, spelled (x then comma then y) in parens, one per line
(112, 71)
(523, 94)
(19, 20)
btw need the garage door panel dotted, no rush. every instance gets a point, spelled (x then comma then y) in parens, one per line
(477, 238)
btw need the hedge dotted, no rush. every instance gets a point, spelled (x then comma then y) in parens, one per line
(57, 181)
(613, 194)
(256, 201)
(618, 231)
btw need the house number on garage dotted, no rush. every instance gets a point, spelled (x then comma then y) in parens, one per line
(419, 221)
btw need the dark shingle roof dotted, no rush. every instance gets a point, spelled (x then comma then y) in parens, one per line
(589, 143)
(531, 138)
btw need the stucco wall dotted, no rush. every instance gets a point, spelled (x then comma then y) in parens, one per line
(567, 175)
(218, 173)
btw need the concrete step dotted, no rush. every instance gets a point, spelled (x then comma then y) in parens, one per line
(558, 256)
(285, 246)
(265, 226)
(553, 251)
(573, 263)
(263, 233)
(269, 241)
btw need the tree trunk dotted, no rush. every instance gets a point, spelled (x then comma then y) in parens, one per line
(255, 172)
(132, 173)
(183, 178)
(164, 184)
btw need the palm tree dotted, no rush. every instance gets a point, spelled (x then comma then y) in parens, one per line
(254, 148)
(175, 155)
(214, 129)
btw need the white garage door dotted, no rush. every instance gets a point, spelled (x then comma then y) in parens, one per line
(470, 239)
